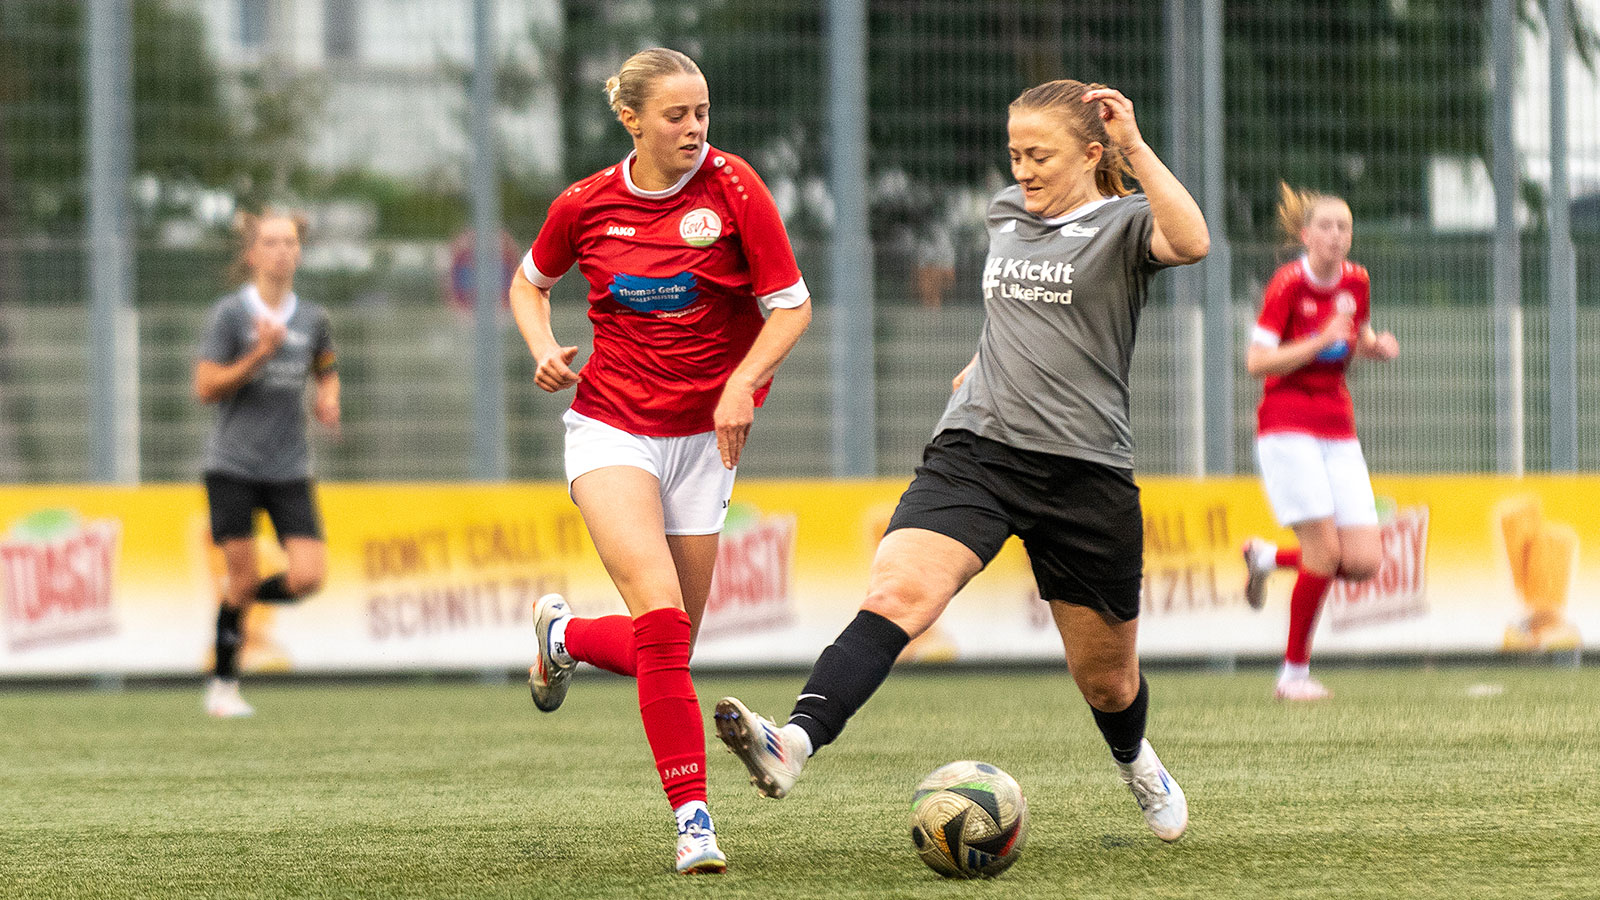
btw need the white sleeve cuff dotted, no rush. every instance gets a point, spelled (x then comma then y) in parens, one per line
(788, 298)
(1264, 337)
(532, 273)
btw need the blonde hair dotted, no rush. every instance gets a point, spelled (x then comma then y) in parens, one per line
(247, 227)
(630, 87)
(1295, 206)
(1065, 96)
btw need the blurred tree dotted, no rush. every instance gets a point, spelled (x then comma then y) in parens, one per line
(185, 134)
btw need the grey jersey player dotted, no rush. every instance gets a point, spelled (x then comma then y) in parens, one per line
(261, 347)
(1034, 442)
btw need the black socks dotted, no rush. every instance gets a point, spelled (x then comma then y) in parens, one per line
(275, 589)
(1124, 731)
(846, 674)
(230, 634)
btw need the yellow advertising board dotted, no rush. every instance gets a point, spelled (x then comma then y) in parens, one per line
(431, 576)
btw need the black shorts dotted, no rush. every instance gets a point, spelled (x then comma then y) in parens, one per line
(1079, 520)
(234, 502)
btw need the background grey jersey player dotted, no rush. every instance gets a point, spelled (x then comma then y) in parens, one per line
(261, 346)
(1034, 442)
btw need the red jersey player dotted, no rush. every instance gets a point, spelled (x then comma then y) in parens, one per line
(1314, 321)
(682, 247)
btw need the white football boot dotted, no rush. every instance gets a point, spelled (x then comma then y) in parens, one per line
(1300, 690)
(223, 700)
(698, 853)
(1260, 560)
(1165, 808)
(551, 673)
(773, 755)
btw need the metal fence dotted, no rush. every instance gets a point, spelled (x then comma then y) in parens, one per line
(131, 130)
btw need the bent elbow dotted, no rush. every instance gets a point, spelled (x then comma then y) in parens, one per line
(1197, 249)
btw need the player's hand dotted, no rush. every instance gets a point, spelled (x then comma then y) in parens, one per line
(269, 336)
(1116, 111)
(553, 373)
(961, 376)
(1336, 329)
(327, 413)
(1386, 347)
(735, 413)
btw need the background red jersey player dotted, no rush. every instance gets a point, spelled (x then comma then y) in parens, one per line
(1313, 322)
(682, 247)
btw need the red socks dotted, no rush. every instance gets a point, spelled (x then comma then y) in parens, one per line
(1304, 603)
(606, 642)
(668, 705)
(1288, 558)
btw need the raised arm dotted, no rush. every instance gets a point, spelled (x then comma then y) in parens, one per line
(1180, 236)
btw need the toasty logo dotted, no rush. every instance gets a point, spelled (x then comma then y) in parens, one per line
(619, 231)
(57, 570)
(700, 227)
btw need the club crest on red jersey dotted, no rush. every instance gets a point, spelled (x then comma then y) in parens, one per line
(700, 227)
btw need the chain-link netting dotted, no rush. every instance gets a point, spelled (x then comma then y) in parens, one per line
(357, 112)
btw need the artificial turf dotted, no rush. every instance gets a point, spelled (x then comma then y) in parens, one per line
(1449, 783)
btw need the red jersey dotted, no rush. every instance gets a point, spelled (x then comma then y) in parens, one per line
(1312, 399)
(677, 279)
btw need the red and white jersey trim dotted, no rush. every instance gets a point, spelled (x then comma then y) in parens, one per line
(790, 297)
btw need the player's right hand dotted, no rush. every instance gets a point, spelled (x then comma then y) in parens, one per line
(1339, 327)
(269, 335)
(553, 373)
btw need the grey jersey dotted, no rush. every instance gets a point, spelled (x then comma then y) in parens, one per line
(1061, 308)
(260, 432)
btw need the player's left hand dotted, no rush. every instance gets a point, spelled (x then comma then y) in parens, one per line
(327, 413)
(1116, 111)
(1386, 347)
(735, 413)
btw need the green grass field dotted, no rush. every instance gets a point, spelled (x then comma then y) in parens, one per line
(1405, 785)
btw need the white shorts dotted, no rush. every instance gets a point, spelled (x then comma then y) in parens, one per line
(695, 486)
(1310, 478)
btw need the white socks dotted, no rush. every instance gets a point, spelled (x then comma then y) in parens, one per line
(1294, 672)
(800, 737)
(687, 811)
(558, 641)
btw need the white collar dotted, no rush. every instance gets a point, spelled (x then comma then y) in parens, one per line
(1305, 266)
(627, 176)
(1081, 211)
(258, 306)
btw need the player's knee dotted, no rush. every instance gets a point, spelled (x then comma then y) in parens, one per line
(1110, 690)
(902, 601)
(306, 579)
(1358, 566)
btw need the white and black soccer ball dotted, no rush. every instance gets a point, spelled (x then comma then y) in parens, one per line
(968, 820)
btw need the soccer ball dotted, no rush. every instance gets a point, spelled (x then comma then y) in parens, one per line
(968, 820)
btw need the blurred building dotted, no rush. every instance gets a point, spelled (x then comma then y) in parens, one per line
(387, 77)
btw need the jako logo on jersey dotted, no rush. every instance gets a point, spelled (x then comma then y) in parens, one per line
(1001, 276)
(1073, 229)
(700, 227)
(619, 231)
(651, 295)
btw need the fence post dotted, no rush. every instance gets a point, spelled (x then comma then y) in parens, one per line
(854, 416)
(1219, 339)
(1563, 284)
(1510, 433)
(489, 388)
(108, 247)
(1185, 286)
